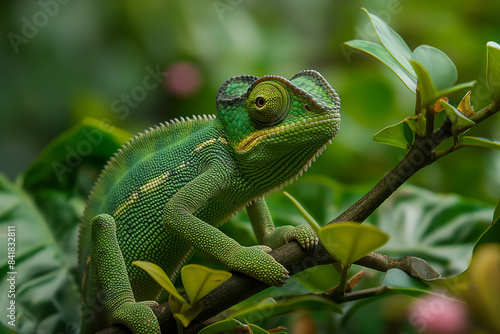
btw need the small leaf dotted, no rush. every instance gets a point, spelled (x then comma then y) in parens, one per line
(417, 124)
(480, 142)
(399, 135)
(456, 88)
(465, 106)
(493, 70)
(198, 280)
(188, 313)
(348, 242)
(428, 92)
(310, 220)
(458, 120)
(392, 42)
(385, 57)
(157, 273)
(441, 69)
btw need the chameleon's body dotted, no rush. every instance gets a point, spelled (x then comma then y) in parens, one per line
(167, 189)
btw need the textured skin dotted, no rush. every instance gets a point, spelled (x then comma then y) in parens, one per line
(166, 191)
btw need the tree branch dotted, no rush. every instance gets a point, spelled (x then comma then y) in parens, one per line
(240, 287)
(295, 259)
(420, 155)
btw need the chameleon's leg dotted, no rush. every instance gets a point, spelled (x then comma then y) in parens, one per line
(268, 235)
(179, 219)
(110, 276)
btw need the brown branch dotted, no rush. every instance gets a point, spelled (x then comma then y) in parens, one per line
(420, 155)
(240, 287)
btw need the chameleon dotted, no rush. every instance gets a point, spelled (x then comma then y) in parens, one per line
(166, 191)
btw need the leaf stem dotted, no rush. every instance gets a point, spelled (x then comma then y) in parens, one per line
(418, 101)
(340, 289)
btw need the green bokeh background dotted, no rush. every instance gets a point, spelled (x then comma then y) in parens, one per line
(65, 60)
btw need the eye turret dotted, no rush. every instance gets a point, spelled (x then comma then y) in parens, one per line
(268, 103)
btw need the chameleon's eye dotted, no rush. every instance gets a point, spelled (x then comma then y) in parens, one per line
(268, 103)
(260, 102)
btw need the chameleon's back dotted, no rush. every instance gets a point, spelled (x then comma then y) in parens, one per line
(133, 188)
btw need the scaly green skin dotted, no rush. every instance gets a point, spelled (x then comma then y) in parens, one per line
(166, 191)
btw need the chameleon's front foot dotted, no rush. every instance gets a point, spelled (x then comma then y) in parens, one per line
(303, 234)
(255, 262)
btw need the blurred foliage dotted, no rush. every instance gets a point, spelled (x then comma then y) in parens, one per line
(133, 64)
(82, 59)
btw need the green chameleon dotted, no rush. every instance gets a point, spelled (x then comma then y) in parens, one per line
(165, 192)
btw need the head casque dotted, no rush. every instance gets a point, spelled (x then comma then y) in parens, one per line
(271, 118)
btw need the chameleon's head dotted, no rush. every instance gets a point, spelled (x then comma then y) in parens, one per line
(271, 118)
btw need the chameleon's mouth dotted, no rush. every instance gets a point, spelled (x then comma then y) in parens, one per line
(316, 122)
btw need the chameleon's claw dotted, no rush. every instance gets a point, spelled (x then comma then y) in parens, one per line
(284, 279)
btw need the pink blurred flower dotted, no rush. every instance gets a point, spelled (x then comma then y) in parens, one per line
(182, 79)
(438, 315)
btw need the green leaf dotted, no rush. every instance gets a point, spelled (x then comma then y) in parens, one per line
(47, 291)
(399, 135)
(399, 281)
(348, 242)
(458, 120)
(306, 302)
(490, 143)
(157, 273)
(392, 42)
(187, 313)
(198, 280)
(89, 142)
(490, 235)
(441, 69)
(385, 57)
(441, 229)
(456, 88)
(232, 325)
(310, 220)
(428, 92)
(496, 213)
(493, 70)
(458, 285)
(417, 124)
(257, 330)
(227, 325)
